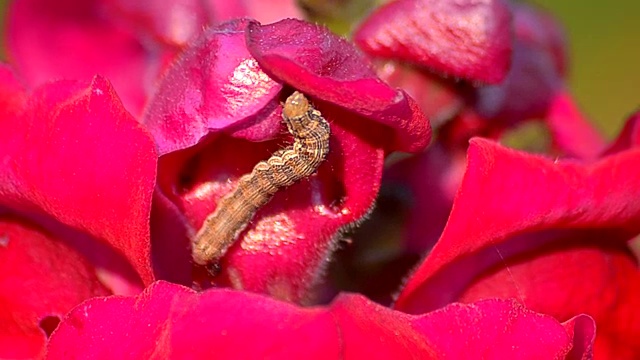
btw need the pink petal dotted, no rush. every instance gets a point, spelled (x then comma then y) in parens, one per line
(171, 321)
(73, 39)
(504, 329)
(629, 136)
(505, 193)
(570, 131)
(77, 164)
(311, 59)
(177, 21)
(203, 92)
(466, 39)
(42, 279)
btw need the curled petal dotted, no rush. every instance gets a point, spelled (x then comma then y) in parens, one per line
(205, 92)
(552, 195)
(551, 234)
(311, 59)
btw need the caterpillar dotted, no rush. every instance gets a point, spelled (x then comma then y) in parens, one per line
(285, 167)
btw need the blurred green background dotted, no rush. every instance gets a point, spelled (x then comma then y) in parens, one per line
(604, 50)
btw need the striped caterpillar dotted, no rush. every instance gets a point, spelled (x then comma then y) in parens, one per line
(236, 209)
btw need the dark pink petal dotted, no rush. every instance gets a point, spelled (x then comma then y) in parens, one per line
(538, 28)
(49, 40)
(161, 322)
(534, 87)
(311, 59)
(431, 180)
(42, 279)
(466, 39)
(205, 92)
(77, 164)
(505, 193)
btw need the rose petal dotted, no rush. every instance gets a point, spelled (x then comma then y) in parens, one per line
(161, 321)
(467, 39)
(34, 264)
(76, 163)
(203, 92)
(71, 39)
(316, 62)
(552, 195)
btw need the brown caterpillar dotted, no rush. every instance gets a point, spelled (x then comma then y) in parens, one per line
(234, 211)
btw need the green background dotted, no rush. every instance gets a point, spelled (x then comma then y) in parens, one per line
(605, 55)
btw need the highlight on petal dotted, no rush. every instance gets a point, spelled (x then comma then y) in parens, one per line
(78, 165)
(313, 60)
(72, 39)
(204, 92)
(467, 39)
(161, 322)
